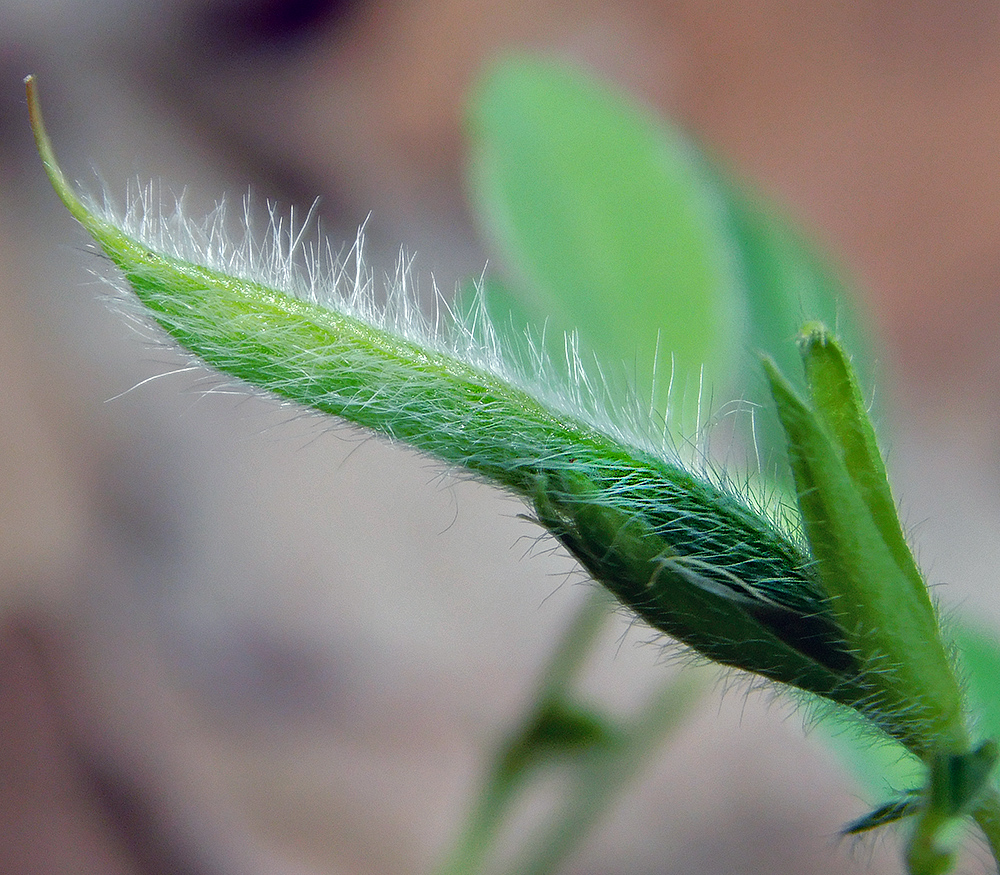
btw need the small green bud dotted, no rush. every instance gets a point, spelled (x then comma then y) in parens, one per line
(694, 562)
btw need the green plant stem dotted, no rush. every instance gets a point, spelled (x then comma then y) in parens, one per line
(469, 854)
(600, 770)
(511, 767)
(607, 773)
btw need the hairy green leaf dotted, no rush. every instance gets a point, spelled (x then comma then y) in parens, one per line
(890, 625)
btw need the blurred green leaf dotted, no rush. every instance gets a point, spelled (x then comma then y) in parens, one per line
(559, 728)
(879, 766)
(789, 281)
(607, 218)
(612, 223)
(979, 666)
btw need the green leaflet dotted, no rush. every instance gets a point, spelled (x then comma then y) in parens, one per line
(880, 600)
(687, 555)
(875, 591)
(617, 226)
(837, 401)
(609, 225)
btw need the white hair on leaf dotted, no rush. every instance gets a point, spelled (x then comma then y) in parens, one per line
(294, 257)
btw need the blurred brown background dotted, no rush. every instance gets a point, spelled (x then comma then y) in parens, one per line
(237, 640)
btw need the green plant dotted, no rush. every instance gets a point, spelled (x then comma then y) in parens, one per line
(829, 602)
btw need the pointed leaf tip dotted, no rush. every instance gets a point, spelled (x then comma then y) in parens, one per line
(54, 172)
